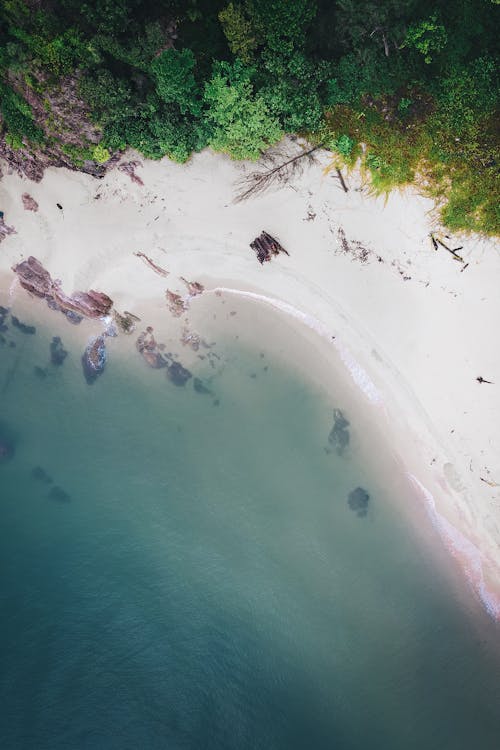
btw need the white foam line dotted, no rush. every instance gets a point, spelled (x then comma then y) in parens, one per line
(358, 374)
(467, 552)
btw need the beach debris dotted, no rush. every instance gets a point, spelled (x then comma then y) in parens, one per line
(178, 374)
(23, 327)
(57, 351)
(157, 269)
(489, 482)
(339, 436)
(29, 203)
(176, 304)
(438, 241)
(340, 178)
(94, 359)
(41, 475)
(129, 167)
(358, 501)
(311, 214)
(59, 495)
(482, 380)
(354, 248)
(37, 280)
(5, 230)
(265, 247)
(59, 206)
(193, 287)
(148, 347)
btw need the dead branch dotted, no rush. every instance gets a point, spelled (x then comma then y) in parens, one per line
(341, 180)
(260, 180)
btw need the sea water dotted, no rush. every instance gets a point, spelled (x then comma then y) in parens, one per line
(198, 579)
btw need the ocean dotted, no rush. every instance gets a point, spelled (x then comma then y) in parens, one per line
(224, 564)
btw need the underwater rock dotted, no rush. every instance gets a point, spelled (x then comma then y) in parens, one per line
(358, 501)
(23, 327)
(57, 351)
(59, 495)
(200, 386)
(40, 372)
(94, 359)
(41, 475)
(6, 450)
(178, 374)
(4, 311)
(339, 434)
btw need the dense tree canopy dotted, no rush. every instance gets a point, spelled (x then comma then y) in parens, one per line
(414, 81)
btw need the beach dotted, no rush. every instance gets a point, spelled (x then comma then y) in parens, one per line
(413, 327)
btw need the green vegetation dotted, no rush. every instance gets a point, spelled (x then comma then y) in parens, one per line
(408, 89)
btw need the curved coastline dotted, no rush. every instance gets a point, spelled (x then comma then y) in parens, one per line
(184, 218)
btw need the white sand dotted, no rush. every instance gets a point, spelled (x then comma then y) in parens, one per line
(415, 328)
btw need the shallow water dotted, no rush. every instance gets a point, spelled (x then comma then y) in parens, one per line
(203, 583)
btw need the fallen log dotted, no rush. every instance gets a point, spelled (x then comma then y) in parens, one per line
(266, 246)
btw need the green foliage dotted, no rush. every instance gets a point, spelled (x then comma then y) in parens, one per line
(241, 123)
(239, 32)
(405, 87)
(175, 81)
(428, 36)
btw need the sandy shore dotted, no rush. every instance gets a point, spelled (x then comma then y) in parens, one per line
(414, 327)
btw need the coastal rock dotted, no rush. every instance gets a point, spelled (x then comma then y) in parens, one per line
(149, 349)
(29, 203)
(57, 351)
(4, 311)
(125, 322)
(358, 501)
(193, 287)
(200, 387)
(37, 280)
(94, 359)
(5, 230)
(178, 374)
(176, 304)
(339, 434)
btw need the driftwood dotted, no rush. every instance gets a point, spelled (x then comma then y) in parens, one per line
(266, 246)
(158, 269)
(260, 180)
(454, 251)
(341, 180)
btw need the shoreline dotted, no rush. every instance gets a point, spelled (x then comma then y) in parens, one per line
(407, 321)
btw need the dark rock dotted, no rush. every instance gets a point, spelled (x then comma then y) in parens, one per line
(41, 475)
(59, 495)
(23, 327)
(94, 359)
(73, 317)
(339, 434)
(57, 351)
(358, 501)
(178, 374)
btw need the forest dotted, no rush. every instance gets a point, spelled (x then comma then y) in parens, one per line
(406, 89)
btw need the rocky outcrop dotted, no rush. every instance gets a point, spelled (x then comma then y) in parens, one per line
(149, 349)
(339, 434)
(37, 280)
(178, 374)
(57, 351)
(94, 359)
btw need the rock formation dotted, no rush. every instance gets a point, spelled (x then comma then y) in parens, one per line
(178, 374)
(358, 501)
(57, 351)
(37, 280)
(94, 359)
(339, 434)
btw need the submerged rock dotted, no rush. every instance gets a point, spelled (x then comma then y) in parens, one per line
(41, 475)
(200, 386)
(339, 434)
(58, 495)
(358, 501)
(57, 351)
(148, 347)
(178, 374)
(6, 450)
(94, 359)
(23, 327)
(40, 372)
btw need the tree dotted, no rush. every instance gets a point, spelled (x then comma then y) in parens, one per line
(241, 123)
(175, 82)
(239, 32)
(428, 36)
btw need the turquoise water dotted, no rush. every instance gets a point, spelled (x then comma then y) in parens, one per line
(201, 582)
